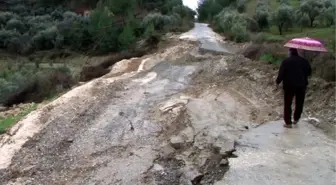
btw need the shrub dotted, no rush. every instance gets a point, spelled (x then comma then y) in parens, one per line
(303, 20)
(6, 16)
(183, 11)
(19, 9)
(252, 25)
(227, 19)
(149, 31)
(283, 16)
(126, 38)
(262, 15)
(259, 38)
(28, 84)
(15, 84)
(45, 39)
(15, 24)
(103, 30)
(57, 14)
(327, 16)
(7, 37)
(13, 45)
(239, 33)
(158, 20)
(70, 15)
(270, 59)
(6, 89)
(241, 6)
(312, 8)
(37, 24)
(208, 9)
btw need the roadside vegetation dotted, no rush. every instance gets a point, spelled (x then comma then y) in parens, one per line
(44, 45)
(270, 23)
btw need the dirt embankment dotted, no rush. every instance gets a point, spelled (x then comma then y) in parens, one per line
(156, 122)
(259, 77)
(171, 117)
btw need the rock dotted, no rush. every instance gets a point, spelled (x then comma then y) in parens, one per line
(172, 104)
(177, 142)
(188, 134)
(224, 162)
(27, 169)
(227, 147)
(167, 150)
(193, 175)
(2, 108)
(157, 167)
(184, 137)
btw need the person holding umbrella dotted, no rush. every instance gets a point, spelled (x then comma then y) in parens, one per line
(293, 73)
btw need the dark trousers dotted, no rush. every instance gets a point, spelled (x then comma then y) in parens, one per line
(290, 93)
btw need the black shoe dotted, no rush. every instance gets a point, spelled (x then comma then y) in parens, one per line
(295, 122)
(287, 126)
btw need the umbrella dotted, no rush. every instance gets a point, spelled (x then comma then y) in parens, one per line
(306, 43)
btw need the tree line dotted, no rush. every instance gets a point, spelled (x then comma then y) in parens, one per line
(230, 16)
(114, 25)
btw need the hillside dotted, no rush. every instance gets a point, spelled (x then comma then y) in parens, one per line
(270, 24)
(47, 47)
(184, 115)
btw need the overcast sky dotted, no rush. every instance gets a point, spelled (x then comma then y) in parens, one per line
(191, 3)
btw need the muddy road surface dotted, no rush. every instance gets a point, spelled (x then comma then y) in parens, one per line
(156, 120)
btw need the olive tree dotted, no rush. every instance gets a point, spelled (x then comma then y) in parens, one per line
(282, 17)
(328, 16)
(232, 23)
(15, 24)
(312, 8)
(262, 15)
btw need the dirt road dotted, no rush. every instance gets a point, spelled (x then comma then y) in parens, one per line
(160, 124)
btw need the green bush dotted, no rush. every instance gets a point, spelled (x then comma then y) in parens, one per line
(149, 31)
(226, 19)
(241, 6)
(252, 25)
(302, 20)
(263, 14)
(6, 16)
(327, 16)
(270, 59)
(45, 39)
(103, 30)
(239, 33)
(15, 24)
(126, 38)
(158, 20)
(282, 17)
(259, 38)
(7, 36)
(13, 84)
(312, 8)
(36, 84)
(47, 25)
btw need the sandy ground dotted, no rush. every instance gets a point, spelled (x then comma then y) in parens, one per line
(171, 117)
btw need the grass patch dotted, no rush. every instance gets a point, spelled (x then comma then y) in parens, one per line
(326, 35)
(271, 59)
(318, 33)
(274, 4)
(274, 38)
(8, 122)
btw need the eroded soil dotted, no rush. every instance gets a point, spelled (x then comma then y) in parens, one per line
(172, 117)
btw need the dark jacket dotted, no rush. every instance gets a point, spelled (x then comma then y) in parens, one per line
(294, 72)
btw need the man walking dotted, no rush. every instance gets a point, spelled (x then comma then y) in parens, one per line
(294, 72)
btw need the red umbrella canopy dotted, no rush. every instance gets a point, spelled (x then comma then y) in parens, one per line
(306, 43)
